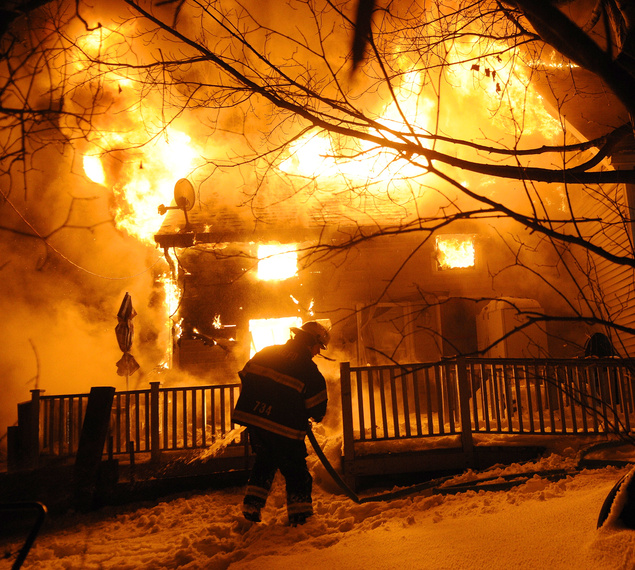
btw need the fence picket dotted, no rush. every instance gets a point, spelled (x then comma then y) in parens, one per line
(417, 399)
(429, 402)
(475, 374)
(371, 404)
(394, 403)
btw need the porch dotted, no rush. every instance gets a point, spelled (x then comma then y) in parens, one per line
(472, 413)
(395, 419)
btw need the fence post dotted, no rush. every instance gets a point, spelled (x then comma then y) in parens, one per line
(92, 440)
(347, 424)
(34, 429)
(464, 406)
(155, 443)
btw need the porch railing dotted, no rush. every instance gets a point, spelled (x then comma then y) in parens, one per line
(488, 396)
(152, 420)
(467, 397)
(461, 398)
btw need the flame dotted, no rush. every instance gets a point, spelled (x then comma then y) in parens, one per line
(172, 292)
(455, 252)
(317, 155)
(94, 169)
(168, 159)
(146, 172)
(312, 153)
(102, 38)
(266, 332)
(216, 323)
(485, 80)
(178, 328)
(277, 262)
(172, 301)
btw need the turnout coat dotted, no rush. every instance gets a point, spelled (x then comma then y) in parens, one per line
(282, 389)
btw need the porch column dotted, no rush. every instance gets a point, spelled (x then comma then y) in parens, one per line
(464, 406)
(347, 424)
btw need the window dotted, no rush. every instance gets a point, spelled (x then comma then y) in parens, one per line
(455, 251)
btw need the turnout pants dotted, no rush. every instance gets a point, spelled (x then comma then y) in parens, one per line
(275, 452)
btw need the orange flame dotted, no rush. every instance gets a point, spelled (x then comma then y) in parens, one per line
(454, 252)
(316, 155)
(277, 262)
(170, 158)
(486, 79)
(265, 332)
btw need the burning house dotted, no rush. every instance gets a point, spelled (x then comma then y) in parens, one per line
(393, 262)
(245, 280)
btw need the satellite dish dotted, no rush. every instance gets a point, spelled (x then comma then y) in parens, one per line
(184, 194)
(184, 197)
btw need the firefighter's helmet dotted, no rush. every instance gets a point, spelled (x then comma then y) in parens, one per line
(319, 333)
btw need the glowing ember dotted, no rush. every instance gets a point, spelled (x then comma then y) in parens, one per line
(93, 169)
(277, 262)
(265, 332)
(454, 252)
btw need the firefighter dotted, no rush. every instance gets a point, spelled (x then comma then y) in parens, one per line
(282, 389)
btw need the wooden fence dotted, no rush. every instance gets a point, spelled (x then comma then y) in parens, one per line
(441, 407)
(142, 421)
(450, 403)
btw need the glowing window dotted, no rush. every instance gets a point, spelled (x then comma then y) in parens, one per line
(455, 251)
(277, 262)
(265, 332)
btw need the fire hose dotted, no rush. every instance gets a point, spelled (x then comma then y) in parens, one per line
(495, 483)
(352, 495)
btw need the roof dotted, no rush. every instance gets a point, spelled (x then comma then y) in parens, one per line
(286, 221)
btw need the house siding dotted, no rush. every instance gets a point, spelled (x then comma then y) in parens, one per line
(616, 282)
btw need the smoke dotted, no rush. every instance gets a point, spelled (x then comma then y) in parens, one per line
(70, 248)
(65, 269)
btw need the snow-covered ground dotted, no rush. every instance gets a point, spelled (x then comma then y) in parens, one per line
(537, 525)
